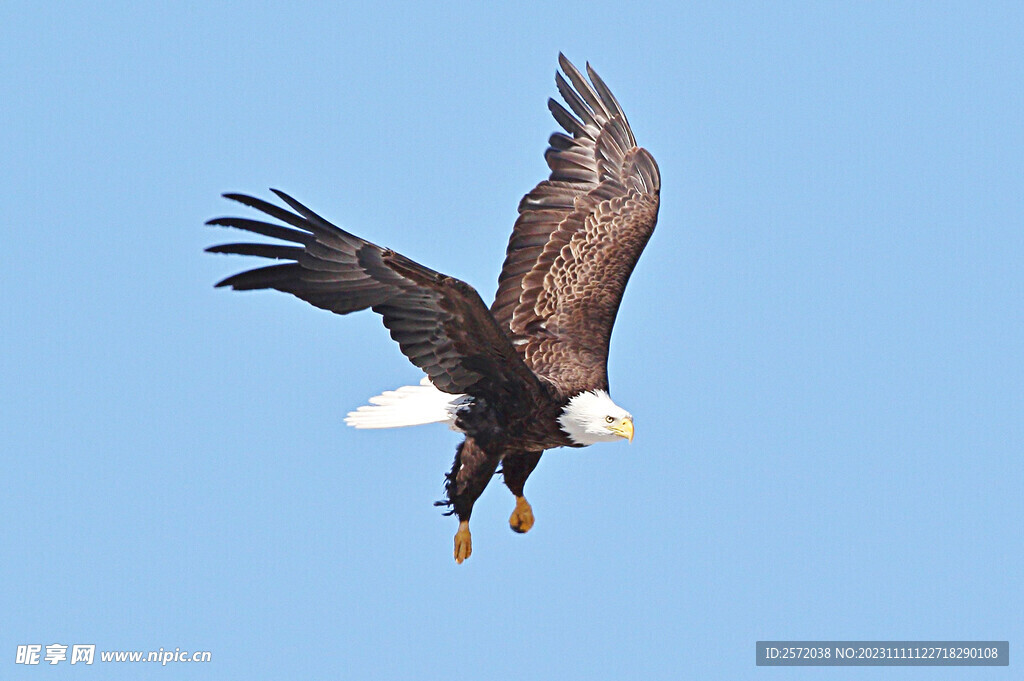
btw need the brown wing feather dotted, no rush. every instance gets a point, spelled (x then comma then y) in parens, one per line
(578, 237)
(440, 322)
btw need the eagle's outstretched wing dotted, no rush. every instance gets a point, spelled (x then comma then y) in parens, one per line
(440, 322)
(578, 237)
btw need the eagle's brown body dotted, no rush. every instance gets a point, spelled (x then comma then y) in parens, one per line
(545, 338)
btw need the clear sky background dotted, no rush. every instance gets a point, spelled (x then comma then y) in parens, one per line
(822, 345)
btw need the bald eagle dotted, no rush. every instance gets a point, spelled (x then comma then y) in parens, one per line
(529, 373)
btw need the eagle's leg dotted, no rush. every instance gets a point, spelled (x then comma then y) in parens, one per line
(521, 519)
(516, 468)
(463, 542)
(472, 470)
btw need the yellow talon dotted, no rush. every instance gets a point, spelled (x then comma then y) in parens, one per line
(521, 519)
(463, 542)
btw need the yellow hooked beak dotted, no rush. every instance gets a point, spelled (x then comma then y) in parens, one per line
(623, 428)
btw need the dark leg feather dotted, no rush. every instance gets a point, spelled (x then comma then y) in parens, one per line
(516, 468)
(470, 473)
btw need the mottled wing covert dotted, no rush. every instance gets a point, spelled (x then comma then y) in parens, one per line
(578, 237)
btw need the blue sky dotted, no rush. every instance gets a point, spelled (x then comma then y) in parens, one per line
(822, 345)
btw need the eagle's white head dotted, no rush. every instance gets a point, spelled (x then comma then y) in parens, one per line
(592, 417)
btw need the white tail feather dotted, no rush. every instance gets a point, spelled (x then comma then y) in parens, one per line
(410, 405)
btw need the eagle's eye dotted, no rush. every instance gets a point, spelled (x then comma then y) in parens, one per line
(609, 419)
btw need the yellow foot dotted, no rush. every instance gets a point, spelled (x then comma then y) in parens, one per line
(463, 542)
(521, 519)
